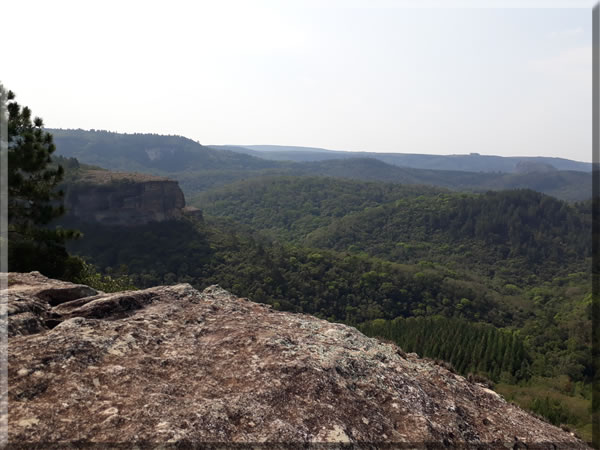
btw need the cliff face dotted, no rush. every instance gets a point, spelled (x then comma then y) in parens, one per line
(171, 364)
(123, 199)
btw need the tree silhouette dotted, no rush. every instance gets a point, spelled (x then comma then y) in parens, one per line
(33, 197)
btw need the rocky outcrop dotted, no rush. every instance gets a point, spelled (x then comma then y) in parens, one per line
(175, 365)
(112, 198)
(31, 298)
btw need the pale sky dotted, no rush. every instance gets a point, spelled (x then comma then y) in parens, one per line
(347, 75)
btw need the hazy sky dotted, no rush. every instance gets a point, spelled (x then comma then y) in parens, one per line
(348, 75)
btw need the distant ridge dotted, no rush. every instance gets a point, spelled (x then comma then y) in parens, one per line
(473, 162)
(200, 167)
(146, 152)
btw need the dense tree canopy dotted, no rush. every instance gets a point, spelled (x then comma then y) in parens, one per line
(471, 347)
(519, 236)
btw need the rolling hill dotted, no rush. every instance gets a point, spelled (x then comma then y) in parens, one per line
(473, 162)
(199, 168)
(149, 152)
(516, 233)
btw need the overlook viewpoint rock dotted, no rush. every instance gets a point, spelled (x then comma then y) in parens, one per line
(174, 365)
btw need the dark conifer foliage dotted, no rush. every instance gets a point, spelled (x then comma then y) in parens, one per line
(470, 347)
(33, 198)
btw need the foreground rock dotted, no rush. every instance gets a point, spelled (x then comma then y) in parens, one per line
(171, 364)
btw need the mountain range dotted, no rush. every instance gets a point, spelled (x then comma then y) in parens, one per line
(473, 162)
(199, 168)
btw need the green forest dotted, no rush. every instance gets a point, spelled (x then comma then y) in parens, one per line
(519, 235)
(471, 348)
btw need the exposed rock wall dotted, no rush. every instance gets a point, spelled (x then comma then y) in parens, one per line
(124, 199)
(171, 364)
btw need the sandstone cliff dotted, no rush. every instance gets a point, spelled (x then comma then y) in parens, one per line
(112, 198)
(171, 364)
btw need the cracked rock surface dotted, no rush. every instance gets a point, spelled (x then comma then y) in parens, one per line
(174, 365)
